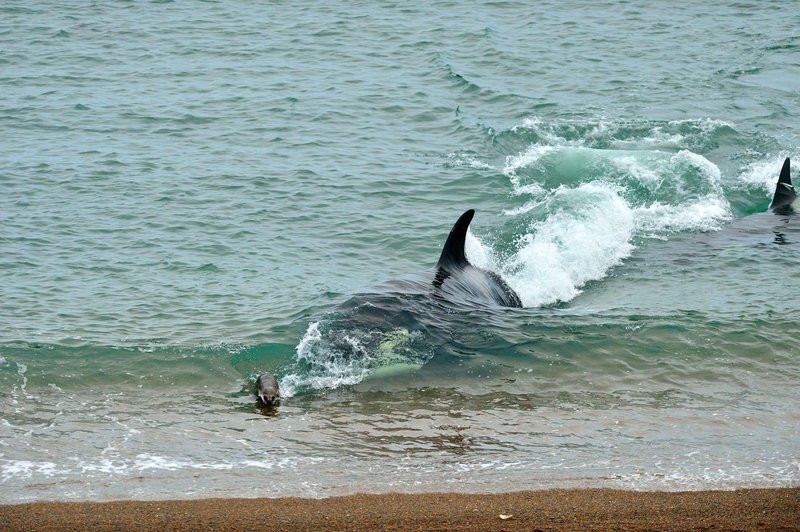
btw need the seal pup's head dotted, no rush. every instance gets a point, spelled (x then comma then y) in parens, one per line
(268, 390)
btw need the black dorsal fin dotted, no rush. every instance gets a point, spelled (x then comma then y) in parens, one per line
(784, 191)
(453, 252)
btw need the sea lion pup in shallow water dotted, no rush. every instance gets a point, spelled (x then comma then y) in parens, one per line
(268, 390)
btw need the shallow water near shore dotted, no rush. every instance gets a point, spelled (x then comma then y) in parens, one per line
(195, 195)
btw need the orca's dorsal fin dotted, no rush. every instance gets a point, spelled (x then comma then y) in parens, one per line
(453, 252)
(784, 191)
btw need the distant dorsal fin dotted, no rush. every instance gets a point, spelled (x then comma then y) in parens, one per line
(453, 252)
(784, 191)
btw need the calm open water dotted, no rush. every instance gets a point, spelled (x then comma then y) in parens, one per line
(193, 193)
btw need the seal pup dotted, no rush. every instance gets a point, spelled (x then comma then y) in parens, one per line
(268, 390)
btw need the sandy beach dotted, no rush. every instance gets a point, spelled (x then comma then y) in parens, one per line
(579, 509)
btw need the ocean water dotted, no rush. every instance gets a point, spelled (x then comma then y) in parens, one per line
(194, 193)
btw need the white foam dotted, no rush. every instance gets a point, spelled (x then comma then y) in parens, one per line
(705, 125)
(105, 466)
(572, 247)
(523, 160)
(468, 161)
(643, 173)
(763, 174)
(290, 384)
(330, 368)
(260, 464)
(311, 336)
(708, 213)
(672, 135)
(708, 169)
(690, 184)
(143, 462)
(546, 131)
(21, 370)
(341, 353)
(658, 140)
(15, 471)
(516, 211)
(26, 469)
(478, 254)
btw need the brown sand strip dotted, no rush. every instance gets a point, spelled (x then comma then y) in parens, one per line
(582, 509)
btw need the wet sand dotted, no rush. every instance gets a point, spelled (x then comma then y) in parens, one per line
(579, 509)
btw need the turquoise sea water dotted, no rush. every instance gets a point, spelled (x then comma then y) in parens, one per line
(193, 193)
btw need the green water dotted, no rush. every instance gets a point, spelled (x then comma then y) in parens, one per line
(192, 194)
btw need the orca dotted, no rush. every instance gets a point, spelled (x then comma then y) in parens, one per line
(655, 278)
(785, 194)
(455, 276)
(390, 330)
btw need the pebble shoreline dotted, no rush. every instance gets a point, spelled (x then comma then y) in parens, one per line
(573, 509)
